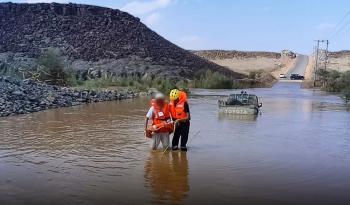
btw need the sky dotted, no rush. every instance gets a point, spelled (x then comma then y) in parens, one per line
(248, 25)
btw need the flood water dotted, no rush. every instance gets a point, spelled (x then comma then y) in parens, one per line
(296, 152)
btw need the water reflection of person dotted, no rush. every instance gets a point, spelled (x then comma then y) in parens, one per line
(167, 175)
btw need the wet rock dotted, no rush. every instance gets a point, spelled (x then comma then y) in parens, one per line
(17, 92)
(21, 97)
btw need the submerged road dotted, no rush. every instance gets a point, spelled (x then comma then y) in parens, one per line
(96, 153)
(299, 67)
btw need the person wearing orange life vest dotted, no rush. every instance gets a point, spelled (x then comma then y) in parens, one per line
(180, 113)
(161, 123)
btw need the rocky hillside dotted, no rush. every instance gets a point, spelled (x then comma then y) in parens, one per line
(93, 38)
(246, 62)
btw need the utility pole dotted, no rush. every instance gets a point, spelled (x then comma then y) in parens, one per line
(316, 61)
(317, 56)
(326, 55)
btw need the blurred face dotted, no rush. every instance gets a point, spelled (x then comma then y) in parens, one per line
(160, 101)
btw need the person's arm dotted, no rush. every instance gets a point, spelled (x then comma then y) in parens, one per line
(187, 110)
(146, 123)
(184, 119)
(148, 116)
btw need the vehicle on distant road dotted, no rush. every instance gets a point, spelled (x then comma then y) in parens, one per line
(283, 76)
(296, 77)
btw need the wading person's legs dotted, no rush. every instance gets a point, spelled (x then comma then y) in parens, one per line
(184, 135)
(164, 137)
(176, 137)
(155, 140)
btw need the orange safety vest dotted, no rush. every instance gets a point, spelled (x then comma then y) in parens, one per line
(178, 111)
(182, 96)
(160, 118)
(160, 114)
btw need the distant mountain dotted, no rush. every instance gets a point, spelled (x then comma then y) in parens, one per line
(251, 61)
(94, 38)
(337, 54)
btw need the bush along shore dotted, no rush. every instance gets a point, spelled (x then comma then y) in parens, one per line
(27, 96)
(63, 86)
(335, 81)
(52, 68)
(332, 81)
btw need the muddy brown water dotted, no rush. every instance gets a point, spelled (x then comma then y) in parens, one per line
(296, 152)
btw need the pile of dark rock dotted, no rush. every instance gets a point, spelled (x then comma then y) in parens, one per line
(92, 37)
(26, 96)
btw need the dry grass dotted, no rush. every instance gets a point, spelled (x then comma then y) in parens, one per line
(339, 63)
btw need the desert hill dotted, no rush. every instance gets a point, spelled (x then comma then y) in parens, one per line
(93, 39)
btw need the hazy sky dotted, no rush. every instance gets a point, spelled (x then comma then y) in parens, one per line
(271, 25)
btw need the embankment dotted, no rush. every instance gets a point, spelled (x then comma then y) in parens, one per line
(246, 62)
(21, 97)
(337, 60)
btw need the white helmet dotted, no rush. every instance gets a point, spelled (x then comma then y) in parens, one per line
(159, 96)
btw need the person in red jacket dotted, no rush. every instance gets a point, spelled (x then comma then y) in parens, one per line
(180, 114)
(162, 126)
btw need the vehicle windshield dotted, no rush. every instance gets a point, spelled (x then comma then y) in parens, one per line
(242, 99)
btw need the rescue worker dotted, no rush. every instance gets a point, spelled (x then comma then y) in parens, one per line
(180, 113)
(161, 123)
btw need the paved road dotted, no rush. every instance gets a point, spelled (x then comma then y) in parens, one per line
(300, 66)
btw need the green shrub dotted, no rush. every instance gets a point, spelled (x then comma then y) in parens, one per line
(254, 73)
(216, 80)
(346, 93)
(212, 80)
(51, 69)
(335, 81)
(142, 84)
